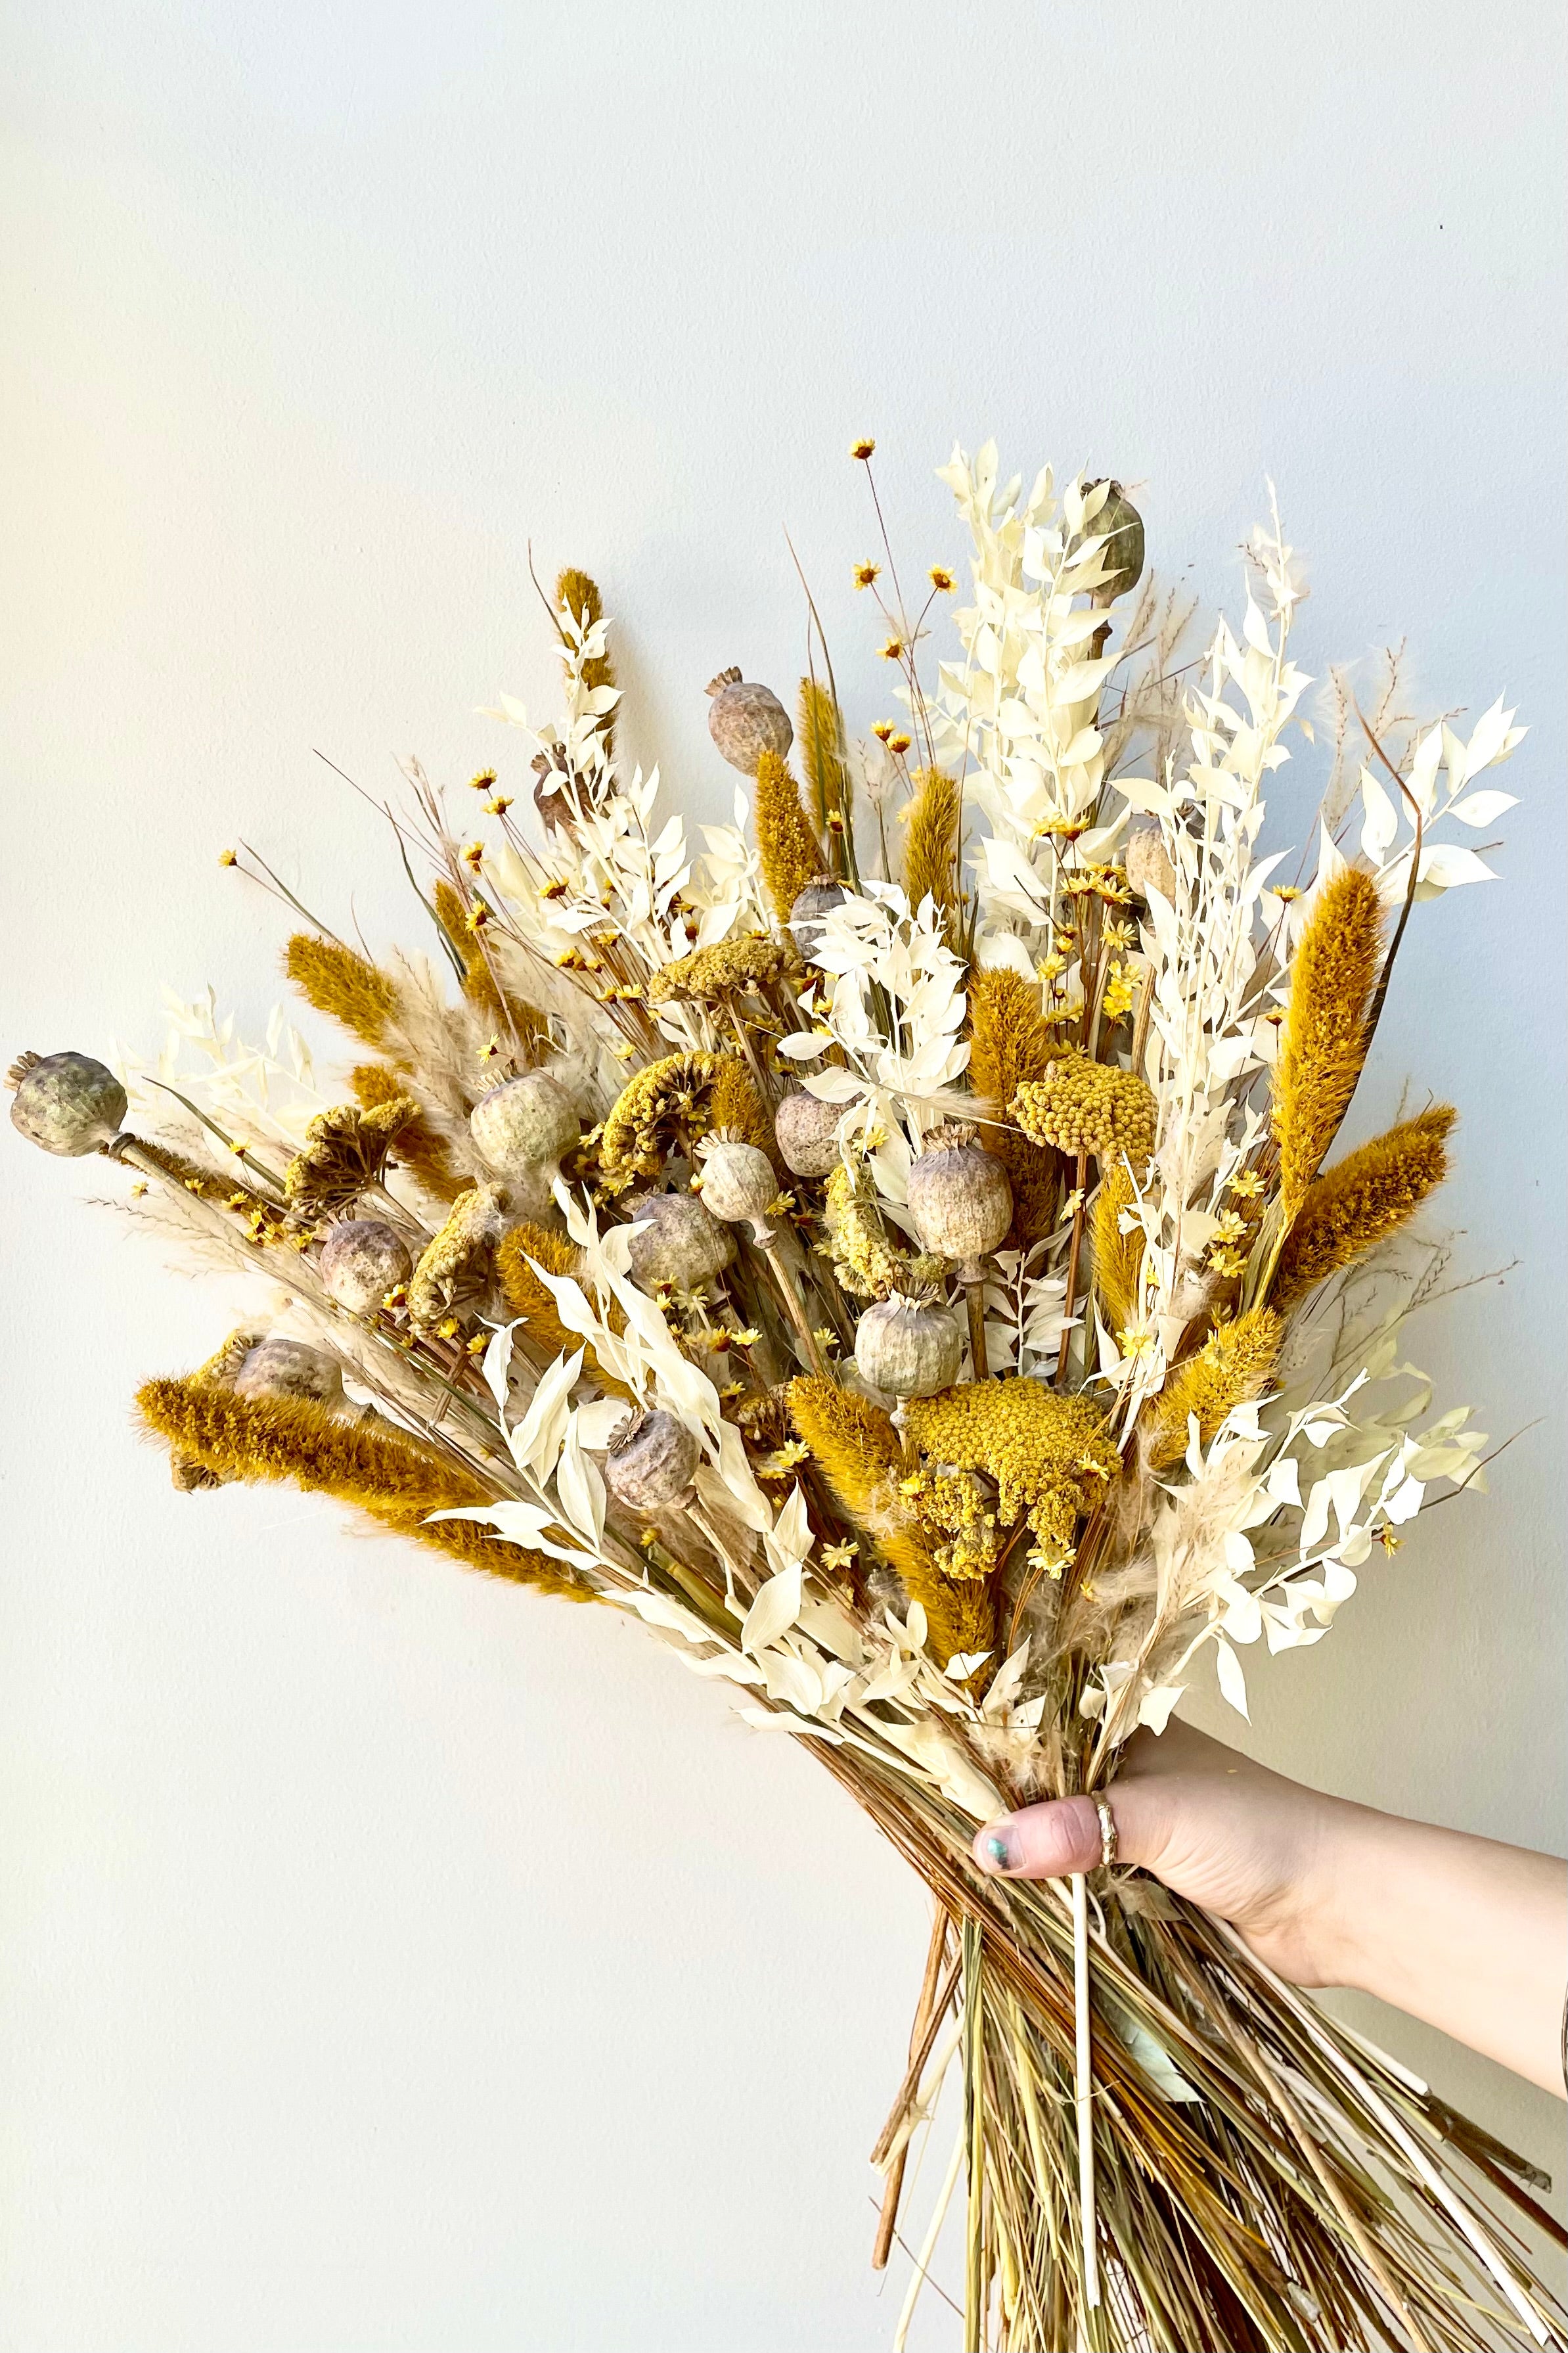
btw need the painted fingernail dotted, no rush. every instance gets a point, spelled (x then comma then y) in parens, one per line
(998, 1849)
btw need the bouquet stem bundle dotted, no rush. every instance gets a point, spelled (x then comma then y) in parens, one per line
(916, 1287)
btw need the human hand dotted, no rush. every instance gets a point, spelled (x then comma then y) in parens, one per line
(1261, 1852)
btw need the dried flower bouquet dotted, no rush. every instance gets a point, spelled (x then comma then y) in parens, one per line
(900, 1256)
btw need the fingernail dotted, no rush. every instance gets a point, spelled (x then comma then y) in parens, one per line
(996, 1849)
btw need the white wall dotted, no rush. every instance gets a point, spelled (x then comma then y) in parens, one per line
(390, 1960)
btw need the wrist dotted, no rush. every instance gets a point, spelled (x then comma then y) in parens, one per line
(1339, 1895)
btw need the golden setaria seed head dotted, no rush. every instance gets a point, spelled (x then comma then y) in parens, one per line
(907, 1347)
(361, 1260)
(745, 720)
(651, 1462)
(959, 1197)
(808, 1134)
(66, 1103)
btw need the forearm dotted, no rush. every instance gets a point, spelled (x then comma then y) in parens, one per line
(1469, 1935)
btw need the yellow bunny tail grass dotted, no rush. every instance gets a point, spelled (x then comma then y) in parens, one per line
(1368, 1196)
(789, 852)
(1231, 1369)
(819, 731)
(422, 1151)
(534, 1302)
(336, 981)
(379, 1470)
(1011, 1042)
(858, 1450)
(931, 845)
(1323, 1042)
(1117, 1257)
(577, 594)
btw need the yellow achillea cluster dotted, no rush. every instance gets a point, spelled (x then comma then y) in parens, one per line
(1231, 1367)
(1117, 1257)
(857, 1449)
(379, 1469)
(734, 968)
(788, 851)
(1011, 1042)
(1323, 1043)
(420, 1148)
(1368, 1196)
(344, 1151)
(472, 1229)
(577, 595)
(534, 1304)
(930, 844)
(1049, 1454)
(1091, 1107)
(953, 1507)
(349, 986)
(672, 1104)
(819, 731)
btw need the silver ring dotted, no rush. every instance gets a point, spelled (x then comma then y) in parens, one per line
(1107, 1833)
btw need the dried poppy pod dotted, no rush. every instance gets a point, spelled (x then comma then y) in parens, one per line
(651, 1462)
(818, 899)
(745, 720)
(680, 1243)
(361, 1260)
(962, 1204)
(520, 1130)
(909, 1347)
(1122, 554)
(738, 1184)
(1148, 863)
(277, 1367)
(808, 1134)
(66, 1103)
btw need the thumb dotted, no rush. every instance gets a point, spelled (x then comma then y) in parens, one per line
(1048, 1841)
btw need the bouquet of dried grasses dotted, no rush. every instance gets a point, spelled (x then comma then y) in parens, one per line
(897, 1253)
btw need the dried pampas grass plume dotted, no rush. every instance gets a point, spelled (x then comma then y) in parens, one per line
(1361, 1201)
(1323, 1043)
(819, 731)
(1010, 1043)
(788, 851)
(1231, 1369)
(349, 986)
(397, 1482)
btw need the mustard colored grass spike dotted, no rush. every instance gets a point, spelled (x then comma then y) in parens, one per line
(1323, 1042)
(1049, 1454)
(377, 1469)
(534, 1303)
(420, 1148)
(931, 845)
(349, 986)
(1357, 1204)
(577, 594)
(789, 853)
(1010, 1041)
(1088, 1107)
(735, 1106)
(858, 1452)
(819, 731)
(1231, 1369)
(1117, 1257)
